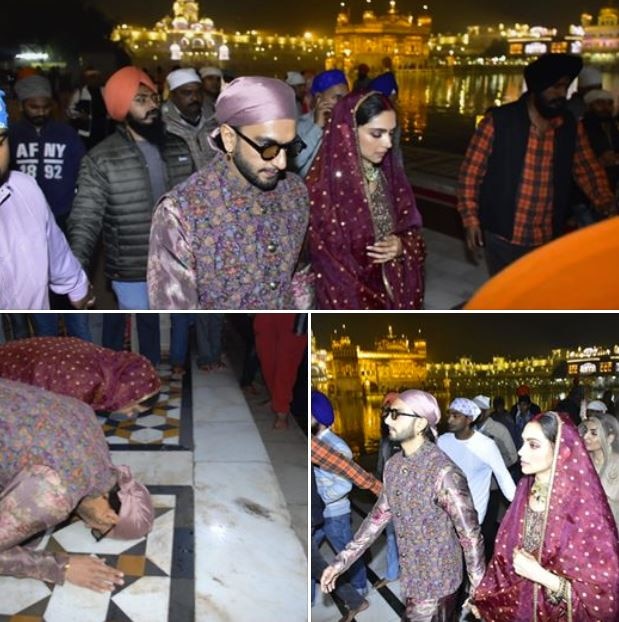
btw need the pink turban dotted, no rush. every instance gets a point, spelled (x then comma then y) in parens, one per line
(136, 510)
(253, 100)
(121, 88)
(424, 405)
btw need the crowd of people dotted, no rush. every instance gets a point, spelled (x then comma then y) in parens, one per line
(262, 193)
(527, 499)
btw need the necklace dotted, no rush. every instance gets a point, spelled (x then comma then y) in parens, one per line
(539, 492)
(370, 172)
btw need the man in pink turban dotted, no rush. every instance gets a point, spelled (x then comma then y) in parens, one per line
(230, 237)
(121, 180)
(426, 496)
(55, 461)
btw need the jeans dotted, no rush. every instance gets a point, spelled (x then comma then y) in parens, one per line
(19, 325)
(131, 296)
(149, 338)
(179, 338)
(46, 325)
(393, 558)
(338, 531)
(208, 333)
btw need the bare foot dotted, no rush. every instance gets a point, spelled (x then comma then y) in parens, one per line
(281, 421)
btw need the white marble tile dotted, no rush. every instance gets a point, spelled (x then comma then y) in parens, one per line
(220, 378)
(160, 541)
(146, 600)
(151, 421)
(18, 594)
(148, 467)
(228, 442)
(76, 538)
(246, 547)
(147, 435)
(70, 603)
(213, 405)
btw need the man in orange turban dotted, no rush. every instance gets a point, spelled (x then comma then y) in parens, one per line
(120, 182)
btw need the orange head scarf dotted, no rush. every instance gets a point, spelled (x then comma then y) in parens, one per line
(121, 88)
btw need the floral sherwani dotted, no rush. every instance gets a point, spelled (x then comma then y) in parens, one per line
(427, 497)
(219, 242)
(52, 455)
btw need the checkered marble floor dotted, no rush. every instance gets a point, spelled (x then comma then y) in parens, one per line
(162, 425)
(159, 580)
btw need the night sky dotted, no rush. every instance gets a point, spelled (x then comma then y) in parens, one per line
(480, 336)
(290, 17)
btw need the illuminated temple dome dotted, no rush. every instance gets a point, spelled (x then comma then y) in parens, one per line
(184, 37)
(601, 40)
(400, 37)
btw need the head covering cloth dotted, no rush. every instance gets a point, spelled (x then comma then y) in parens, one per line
(137, 515)
(598, 95)
(423, 404)
(326, 79)
(121, 88)
(465, 407)
(589, 76)
(341, 221)
(548, 69)
(322, 409)
(597, 406)
(254, 100)
(205, 72)
(579, 542)
(180, 77)
(385, 84)
(482, 401)
(33, 86)
(294, 78)
(104, 379)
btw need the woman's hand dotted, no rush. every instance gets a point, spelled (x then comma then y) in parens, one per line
(386, 249)
(527, 566)
(91, 572)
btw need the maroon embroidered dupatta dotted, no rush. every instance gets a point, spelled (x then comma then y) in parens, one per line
(341, 225)
(580, 543)
(105, 379)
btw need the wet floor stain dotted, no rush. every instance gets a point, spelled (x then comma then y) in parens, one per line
(251, 507)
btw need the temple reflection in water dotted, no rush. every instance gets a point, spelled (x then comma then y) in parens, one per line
(356, 379)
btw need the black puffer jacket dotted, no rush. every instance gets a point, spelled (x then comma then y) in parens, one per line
(114, 194)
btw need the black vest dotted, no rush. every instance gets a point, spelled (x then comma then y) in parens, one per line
(499, 188)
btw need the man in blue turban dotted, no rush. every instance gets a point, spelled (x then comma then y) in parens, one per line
(385, 84)
(328, 88)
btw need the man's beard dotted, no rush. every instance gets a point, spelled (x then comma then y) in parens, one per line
(252, 176)
(404, 435)
(549, 109)
(153, 132)
(38, 121)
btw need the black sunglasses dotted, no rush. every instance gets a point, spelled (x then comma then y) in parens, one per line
(395, 413)
(271, 150)
(114, 501)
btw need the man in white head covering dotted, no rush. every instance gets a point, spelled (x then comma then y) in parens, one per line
(596, 407)
(476, 454)
(297, 82)
(183, 114)
(589, 79)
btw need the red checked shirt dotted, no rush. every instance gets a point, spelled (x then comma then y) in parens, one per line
(534, 202)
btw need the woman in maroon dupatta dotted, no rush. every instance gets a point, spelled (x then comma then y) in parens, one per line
(364, 237)
(557, 551)
(104, 379)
